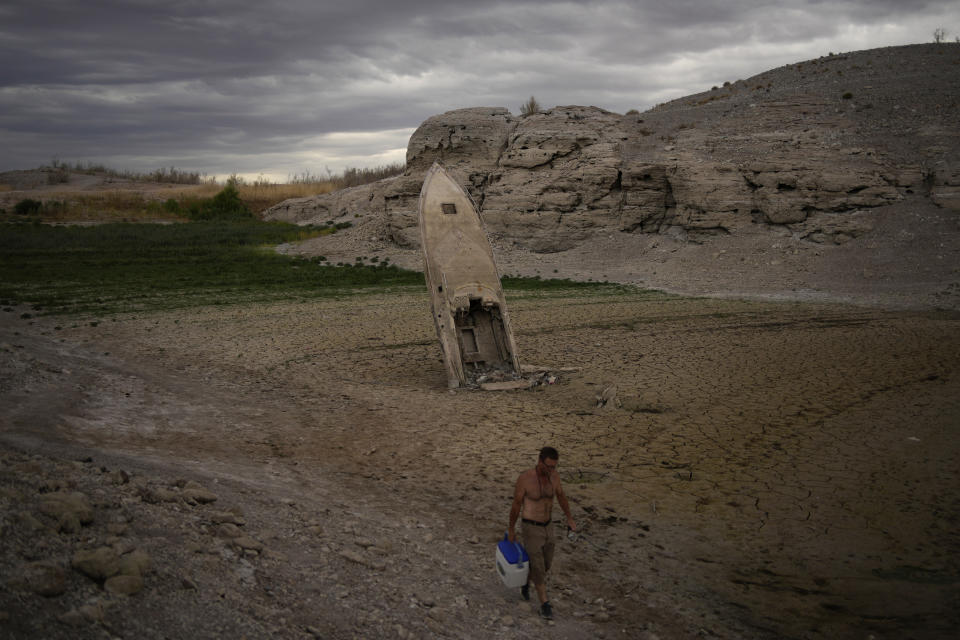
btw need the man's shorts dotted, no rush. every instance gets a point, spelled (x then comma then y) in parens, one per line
(539, 544)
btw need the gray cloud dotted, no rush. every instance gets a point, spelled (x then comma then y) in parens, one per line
(249, 86)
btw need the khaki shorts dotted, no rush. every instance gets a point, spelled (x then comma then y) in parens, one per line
(538, 542)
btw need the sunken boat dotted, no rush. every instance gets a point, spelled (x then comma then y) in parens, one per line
(469, 310)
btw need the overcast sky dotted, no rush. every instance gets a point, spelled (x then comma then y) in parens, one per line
(279, 88)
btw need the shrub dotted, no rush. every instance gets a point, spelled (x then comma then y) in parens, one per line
(27, 207)
(226, 205)
(530, 107)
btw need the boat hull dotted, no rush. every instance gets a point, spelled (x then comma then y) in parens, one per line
(466, 298)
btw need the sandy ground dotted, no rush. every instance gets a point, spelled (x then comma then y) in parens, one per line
(774, 470)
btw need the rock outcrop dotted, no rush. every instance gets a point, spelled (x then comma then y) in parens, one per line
(808, 149)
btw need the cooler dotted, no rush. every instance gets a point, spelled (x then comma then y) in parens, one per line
(513, 563)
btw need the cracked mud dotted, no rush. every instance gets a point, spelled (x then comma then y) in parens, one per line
(774, 470)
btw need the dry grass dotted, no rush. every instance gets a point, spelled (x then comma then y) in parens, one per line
(143, 196)
(260, 196)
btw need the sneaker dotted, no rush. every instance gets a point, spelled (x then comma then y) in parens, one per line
(525, 591)
(546, 611)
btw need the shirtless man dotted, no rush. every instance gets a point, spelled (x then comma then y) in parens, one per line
(533, 499)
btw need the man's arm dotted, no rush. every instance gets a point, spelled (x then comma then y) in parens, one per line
(515, 509)
(562, 501)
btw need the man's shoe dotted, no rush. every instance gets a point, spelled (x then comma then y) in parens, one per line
(525, 591)
(546, 611)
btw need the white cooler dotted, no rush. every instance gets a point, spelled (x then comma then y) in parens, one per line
(513, 563)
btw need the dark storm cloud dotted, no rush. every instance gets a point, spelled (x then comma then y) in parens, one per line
(254, 86)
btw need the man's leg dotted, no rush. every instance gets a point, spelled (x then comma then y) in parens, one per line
(534, 539)
(541, 591)
(547, 553)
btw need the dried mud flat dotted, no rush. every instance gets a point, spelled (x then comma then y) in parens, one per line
(774, 470)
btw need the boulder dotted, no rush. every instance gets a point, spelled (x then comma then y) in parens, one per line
(135, 563)
(69, 509)
(98, 564)
(124, 585)
(248, 543)
(198, 493)
(234, 516)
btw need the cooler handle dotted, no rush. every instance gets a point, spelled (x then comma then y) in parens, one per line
(506, 537)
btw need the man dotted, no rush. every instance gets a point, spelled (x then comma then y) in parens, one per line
(533, 499)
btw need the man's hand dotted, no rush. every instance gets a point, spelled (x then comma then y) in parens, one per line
(571, 524)
(512, 534)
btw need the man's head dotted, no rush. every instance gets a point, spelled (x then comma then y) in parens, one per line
(547, 461)
(549, 452)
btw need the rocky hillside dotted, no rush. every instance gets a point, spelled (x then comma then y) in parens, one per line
(812, 147)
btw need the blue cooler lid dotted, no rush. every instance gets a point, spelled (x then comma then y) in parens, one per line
(512, 552)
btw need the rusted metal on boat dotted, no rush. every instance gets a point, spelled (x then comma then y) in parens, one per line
(469, 310)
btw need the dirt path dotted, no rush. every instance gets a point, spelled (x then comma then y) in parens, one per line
(774, 470)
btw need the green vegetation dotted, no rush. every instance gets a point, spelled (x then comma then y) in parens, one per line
(98, 207)
(225, 255)
(28, 207)
(123, 267)
(226, 205)
(113, 268)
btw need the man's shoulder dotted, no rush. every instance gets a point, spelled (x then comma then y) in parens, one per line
(527, 475)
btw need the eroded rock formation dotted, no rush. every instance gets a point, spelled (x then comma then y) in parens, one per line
(809, 148)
